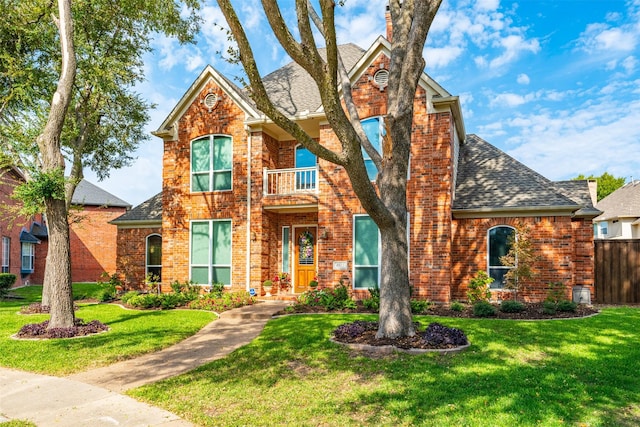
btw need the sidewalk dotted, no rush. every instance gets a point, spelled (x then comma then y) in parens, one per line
(92, 398)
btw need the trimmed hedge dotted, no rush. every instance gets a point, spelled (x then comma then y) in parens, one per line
(6, 282)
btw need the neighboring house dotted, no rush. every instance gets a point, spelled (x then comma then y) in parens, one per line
(92, 238)
(620, 218)
(242, 200)
(20, 236)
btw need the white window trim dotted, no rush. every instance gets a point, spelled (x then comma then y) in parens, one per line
(31, 256)
(353, 253)
(282, 250)
(6, 254)
(210, 265)
(489, 266)
(211, 172)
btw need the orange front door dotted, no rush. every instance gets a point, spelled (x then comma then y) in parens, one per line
(304, 258)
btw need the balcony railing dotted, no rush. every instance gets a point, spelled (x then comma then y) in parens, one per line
(290, 181)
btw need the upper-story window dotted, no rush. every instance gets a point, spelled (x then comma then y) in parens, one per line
(307, 161)
(374, 128)
(211, 163)
(499, 244)
(604, 228)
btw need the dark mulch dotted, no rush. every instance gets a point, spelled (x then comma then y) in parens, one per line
(532, 311)
(42, 330)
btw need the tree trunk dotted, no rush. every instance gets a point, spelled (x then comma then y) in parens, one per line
(57, 274)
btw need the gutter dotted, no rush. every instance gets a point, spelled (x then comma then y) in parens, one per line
(500, 212)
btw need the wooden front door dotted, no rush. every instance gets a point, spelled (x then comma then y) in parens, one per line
(306, 249)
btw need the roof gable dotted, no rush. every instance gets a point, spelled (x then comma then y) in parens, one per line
(622, 203)
(237, 95)
(490, 180)
(148, 211)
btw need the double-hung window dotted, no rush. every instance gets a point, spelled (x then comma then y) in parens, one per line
(499, 244)
(211, 252)
(6, 251)
(28, 257)
(211, 163)
(366, 253)
(374, 128)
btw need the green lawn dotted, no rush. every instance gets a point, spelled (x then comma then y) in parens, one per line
(547, 373)
(133, 332)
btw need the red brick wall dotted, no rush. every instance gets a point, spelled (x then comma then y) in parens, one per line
(560, 258)
(93, 242)
(132, 247)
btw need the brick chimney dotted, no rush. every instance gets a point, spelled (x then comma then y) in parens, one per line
(387, 17)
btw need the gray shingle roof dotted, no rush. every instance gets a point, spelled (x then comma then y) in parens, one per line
(488, 178)
(88, 194)
(149, 210)
(624, 202)
(578, 191)
(293, 90)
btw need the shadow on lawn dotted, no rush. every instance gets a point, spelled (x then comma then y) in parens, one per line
(527, 373)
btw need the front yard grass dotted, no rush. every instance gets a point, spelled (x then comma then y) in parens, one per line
(546, 373)
(132, 333)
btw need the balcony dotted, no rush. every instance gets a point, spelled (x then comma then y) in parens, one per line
(286, 182)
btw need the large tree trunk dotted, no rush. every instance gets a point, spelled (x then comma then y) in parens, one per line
(58, 269)
(57, 276)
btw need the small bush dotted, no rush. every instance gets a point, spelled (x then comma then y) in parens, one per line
(549, 307)
(373, 302)
(567, 306)
(331, 299)
(457, 306)
(128, 296)
(107, 293)
(217, 289)
(419, 306)
(226, 301)
(511, 306)
(6, 282)
(556, 292)
(478, 289)
(439, 335)
(483, 309)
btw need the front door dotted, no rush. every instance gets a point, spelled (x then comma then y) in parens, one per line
(304, 258)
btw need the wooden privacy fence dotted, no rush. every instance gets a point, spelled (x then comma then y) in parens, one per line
(617, 271)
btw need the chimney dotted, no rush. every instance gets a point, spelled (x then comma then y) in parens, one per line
(387, 17)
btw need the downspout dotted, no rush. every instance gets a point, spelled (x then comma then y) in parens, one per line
(248, 260)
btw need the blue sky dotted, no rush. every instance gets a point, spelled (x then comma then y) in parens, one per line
(555, 84)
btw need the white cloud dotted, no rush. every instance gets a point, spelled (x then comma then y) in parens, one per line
(513, 46)
(438, 57)
(523, 79)
(601, 37)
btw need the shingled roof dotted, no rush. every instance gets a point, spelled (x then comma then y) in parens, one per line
(292, 89)
(87, 194)
(622, 203)
(148, 211)
(489, 179)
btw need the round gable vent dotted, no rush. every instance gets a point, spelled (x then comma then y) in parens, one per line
(210, 101)
(381, 78)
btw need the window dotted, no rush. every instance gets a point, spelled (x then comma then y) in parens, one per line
(28, 256)
(154, 257)
(499, 238)
(211, 163)
(6, 251)
(604, 228)
(366, 253)
(211, 252)
(374, 128)
(286, 248)
(306, 179)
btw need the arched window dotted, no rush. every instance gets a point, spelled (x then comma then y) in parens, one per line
(154, 258)
(499, 239)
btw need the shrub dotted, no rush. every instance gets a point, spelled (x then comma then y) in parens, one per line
(107, 292)
(217, 289)
(373, 302)
(457, 306)
(549, 307)
(331, 299)
(478, 289)
(556, 292)
(567, 306)
(128, 296)
(419, 306)
(226, 301)
(511, 306)
(483, 309)
(439, 335)
(6, 282)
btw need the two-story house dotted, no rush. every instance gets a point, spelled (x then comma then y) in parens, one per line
(620, 218)
(242, 200)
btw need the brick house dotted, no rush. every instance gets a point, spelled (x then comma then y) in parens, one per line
(93, 240)
(243, 201)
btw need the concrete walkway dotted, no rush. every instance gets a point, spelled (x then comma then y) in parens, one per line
(92, 398)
